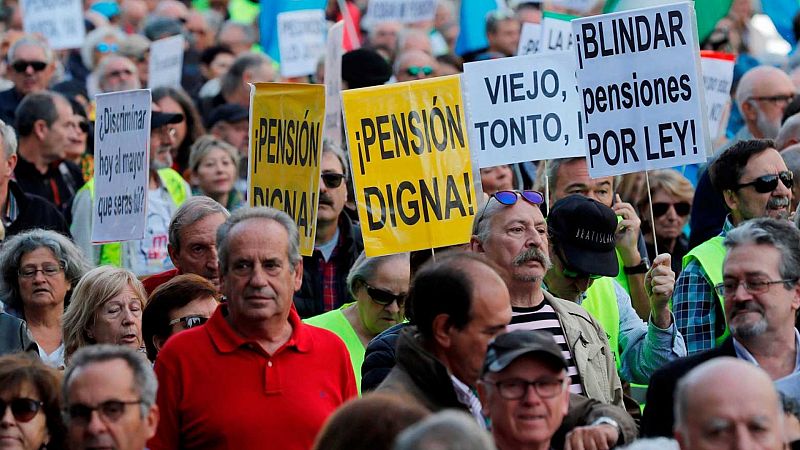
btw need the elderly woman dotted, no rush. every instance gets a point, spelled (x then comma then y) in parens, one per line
(39, 270)
(98, 44)
(672, 202)
(30, 407)
(213, 163)
(172, 100)
(106, 308)
(379, 286)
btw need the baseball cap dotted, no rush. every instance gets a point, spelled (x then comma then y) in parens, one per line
(584, 230)
(506, 348)
(159, 119)
(228, 112)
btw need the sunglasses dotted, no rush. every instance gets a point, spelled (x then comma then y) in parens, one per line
(84, 126)
(21, 66)
(681, 208)
(107, 48)
(332, 180)
(112, 410)
(23, 409)
(384, 298)
(415, 70)
(189, 321)
(569, 273)
(768, 183)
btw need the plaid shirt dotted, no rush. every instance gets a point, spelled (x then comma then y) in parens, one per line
(695, 305)
(330, 282)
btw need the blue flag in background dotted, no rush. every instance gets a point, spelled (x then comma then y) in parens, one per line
(781, 12)
(268, 23)
(472, 36)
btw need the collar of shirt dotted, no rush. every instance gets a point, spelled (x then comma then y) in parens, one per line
(742, 353)
(469, 399)
(727, 226)
(327, 248)
(227, 340)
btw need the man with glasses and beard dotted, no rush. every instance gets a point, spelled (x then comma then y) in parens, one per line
(754, 181)
(337, 244)
(761, 294)
(30, 68)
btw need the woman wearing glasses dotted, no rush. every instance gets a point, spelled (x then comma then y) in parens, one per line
(213, 164)
(672, 196)
(39, 269)
(378, 287)
(106, 308)
(30, 409)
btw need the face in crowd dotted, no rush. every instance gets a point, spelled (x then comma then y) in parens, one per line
(381, 299)
(30, 71)
(765, 188)
(332, 189)
(198, 248)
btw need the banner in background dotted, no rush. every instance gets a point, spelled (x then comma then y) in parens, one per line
(717, 79)
(59, 21)
(166, 62)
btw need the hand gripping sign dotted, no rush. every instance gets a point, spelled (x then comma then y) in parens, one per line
(642, 90)
(413, 176)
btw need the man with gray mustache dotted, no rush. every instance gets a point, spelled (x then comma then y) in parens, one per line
(754, 181)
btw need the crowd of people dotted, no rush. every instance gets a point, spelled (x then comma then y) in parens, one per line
(641, 311)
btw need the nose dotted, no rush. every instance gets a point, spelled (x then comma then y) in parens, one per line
(96, 424)
(128, 317)
(39, 277)
(29, 70)
(6, 418)
(531, 397)
(211, 262)
(259, 277)
(535, 239)
(393, 307)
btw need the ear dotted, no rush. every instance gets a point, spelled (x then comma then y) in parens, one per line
(151, 421)
(11, 163)
(158, 343)
(40, 129)
(475, 245)
(441, 330)
(298, 275)
(173, 255)
(796, 298)
(731, 199)
(749, 111)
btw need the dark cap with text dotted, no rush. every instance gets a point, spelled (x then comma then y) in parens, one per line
(506, 348)
(584, 229)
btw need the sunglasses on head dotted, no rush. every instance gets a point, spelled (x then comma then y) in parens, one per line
(509, 198)
(23, 409)
(415, 70)
(768, 183)
(107, 48)
(681, 208)
(384, 298)
(21, 66)
(189, 321)
(332, 179)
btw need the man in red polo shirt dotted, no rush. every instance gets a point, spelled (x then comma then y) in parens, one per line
(254, 376)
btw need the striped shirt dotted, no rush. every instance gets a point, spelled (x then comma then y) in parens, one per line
(544, 317)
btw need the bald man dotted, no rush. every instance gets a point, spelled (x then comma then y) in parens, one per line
(762, 96)
(727, 403)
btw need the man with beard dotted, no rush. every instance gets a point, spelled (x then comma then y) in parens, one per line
(337, 243)
(754, 181)
(761, 297)
(117, 73)
(167, 192)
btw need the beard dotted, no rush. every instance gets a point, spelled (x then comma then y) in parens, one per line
(768, 128)
(162, 159)
(750, 329)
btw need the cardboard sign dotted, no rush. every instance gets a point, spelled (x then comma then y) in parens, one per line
(121, 166)
(641, 90)
(333, 84)
(556, 33)
(301, 38)
(166, 62)
(529, 39)
(286, 122)
(523, 109)
(60, 21)
(717, 78)
(403, 11)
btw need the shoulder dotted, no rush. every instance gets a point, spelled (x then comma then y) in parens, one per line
(323, 340)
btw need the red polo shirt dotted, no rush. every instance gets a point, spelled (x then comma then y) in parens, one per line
(218, 390)
(153, 281)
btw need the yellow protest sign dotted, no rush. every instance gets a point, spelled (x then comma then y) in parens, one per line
(286, 122)
(413, 177)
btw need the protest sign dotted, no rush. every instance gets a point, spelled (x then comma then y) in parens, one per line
(60, 21)
(333, 84)
(121, 166)
(717, 78)
(641, 89)
(529, 39)
(403, 11)
(412, 171)
(166, 62)
(285, 148)
(301, 38)
(556, 33)
(523, 109)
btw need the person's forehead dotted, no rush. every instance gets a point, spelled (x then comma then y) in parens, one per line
(118, 64)
(193, 231)
(29, 51)
(331, 162)
(767, 162)
(258, 228)
(521, 211)
(102, 380)
(752, 260)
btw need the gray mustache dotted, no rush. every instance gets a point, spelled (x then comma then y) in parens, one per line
(532, 254)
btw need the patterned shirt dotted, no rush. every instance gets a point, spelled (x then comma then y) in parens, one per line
(696, 305)
(468, 398)
(326, 260)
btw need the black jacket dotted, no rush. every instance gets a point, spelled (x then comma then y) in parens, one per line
(14, 336)
(308, 300)
(658, 413)
(379, 357)
(9, 100)
(34, 212)
(66, 175)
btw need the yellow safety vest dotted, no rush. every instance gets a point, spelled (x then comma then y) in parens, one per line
(711, 255)
(601, 302)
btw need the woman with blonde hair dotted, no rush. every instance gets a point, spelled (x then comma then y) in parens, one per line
(106, 308)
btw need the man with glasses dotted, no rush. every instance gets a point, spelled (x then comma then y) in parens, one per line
(761, 294)
(30, 68)
(117, 73)
(414, 65)
(109, 396)
(338, 241)
(754, 181)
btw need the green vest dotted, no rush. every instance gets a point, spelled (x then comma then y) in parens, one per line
(336, 322)
(601, 302)
(711, 255)
(111, 253)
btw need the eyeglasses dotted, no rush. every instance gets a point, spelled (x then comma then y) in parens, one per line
(23, 409)
(21, 66)
(384, 298)
(768, 183)
(48, 270)
(189, 321)
(681, 208)
(111, 410)
(415, 70)
(509, 198)
(516, 388)
(84, 126)
(729, 287)
(119, 73)
(569, 273)
(332, 180)
(784, 99)
(106, 48)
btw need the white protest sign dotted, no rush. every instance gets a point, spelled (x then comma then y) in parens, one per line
(529, 39)
(556, 33)
(60, 21)
(642, 90)
(301, 39)
(121, 166)
(717, 78)
(166, 62)
(523, 109)
(333, 84)
(403, 11)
